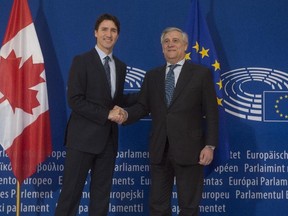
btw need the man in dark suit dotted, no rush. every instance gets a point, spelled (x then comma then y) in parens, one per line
(184, 131)
(92, 139)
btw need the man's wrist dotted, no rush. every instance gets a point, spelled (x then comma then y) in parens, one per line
(210, 147)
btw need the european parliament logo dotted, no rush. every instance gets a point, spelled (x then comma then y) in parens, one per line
(134, 78)
(256, 94)
(133, 81)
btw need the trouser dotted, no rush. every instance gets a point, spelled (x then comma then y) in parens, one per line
(189, 184)
(77, 166)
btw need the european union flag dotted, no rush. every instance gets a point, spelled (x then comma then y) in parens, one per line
(275, 104)
(201, 50)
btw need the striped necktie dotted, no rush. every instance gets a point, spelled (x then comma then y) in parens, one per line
(107, 70)
(170, 84)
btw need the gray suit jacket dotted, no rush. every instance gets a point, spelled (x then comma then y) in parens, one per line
(191, 121)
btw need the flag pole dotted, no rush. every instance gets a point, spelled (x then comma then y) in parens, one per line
(18, 197)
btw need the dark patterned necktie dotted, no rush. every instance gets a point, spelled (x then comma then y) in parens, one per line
(107, 70)
(170, 84)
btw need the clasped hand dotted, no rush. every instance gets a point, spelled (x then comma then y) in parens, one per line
(118, 115)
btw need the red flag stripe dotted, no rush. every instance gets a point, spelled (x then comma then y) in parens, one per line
(20, 17)
(31, 147)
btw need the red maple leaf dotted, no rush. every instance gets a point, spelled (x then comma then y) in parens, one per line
(16, 83)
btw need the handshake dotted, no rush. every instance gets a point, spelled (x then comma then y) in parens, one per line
(118, 115)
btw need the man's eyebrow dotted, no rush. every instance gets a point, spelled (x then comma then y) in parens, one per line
(106, 27)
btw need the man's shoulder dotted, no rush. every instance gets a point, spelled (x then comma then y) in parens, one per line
(196, 69)
(195, 66)
(118, 61)
(156, 69)
(87, 54)
(86, 58)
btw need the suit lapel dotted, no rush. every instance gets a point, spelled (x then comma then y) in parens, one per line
(160, 82)
(184, 78)
(100, 68)
(118, 75)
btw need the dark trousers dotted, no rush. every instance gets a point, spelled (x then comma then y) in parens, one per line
(189, 184)
(77, 166)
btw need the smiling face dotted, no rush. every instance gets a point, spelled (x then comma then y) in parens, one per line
(173, 46)
(107, 35)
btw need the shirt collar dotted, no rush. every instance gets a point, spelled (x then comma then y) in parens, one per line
(180, 63)
(102, 54)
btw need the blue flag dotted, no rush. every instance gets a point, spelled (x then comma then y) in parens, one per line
(201, 50)
(275, 106)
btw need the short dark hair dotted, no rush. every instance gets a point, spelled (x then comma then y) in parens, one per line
(107, 17)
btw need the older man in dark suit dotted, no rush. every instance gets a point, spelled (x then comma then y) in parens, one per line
(181, 99)
(95, 86)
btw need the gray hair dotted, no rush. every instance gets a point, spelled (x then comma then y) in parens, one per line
(170, 29)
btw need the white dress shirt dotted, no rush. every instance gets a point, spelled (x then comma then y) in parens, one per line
(176, 70)
(112, 68)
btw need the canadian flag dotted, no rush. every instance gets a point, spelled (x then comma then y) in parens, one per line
(24, 112)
